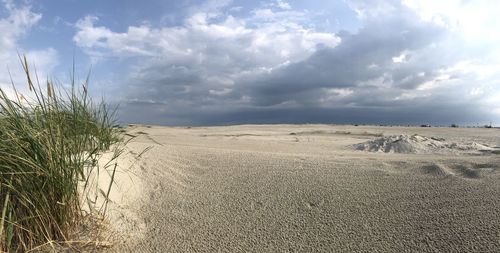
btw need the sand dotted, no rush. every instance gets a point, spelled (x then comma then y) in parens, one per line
(306, 188)
(417, 144)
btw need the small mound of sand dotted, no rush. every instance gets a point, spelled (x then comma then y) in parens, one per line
(417, 144)
(439, 170)
(461, 170)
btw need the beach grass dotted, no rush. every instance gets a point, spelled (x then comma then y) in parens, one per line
(50, 141)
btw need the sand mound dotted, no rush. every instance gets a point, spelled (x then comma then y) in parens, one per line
(438, 170)
(461, 170)
(416, 144)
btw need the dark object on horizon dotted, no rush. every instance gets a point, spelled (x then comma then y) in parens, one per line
(488, 126)
(356, 125)
(425, 125)
(454, 125)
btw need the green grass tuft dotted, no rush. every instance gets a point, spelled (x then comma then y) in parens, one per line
(50, 141)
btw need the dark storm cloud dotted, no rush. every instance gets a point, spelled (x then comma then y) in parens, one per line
(430, 114)
(397, 68)
(359, 58)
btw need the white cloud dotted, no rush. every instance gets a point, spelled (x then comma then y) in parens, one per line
(368, 8)
(225, 44)
(402, 58)
(262, 32)
(283, 5)
(17, 23)
(476, 20)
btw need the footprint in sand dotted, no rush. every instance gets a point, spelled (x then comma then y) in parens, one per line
(314, 204)
(256, 205)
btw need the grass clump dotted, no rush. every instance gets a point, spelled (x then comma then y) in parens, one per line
(49, 145)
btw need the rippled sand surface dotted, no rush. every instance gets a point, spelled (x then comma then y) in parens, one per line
(304, 188)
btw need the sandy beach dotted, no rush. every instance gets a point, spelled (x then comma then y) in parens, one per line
(305, 188)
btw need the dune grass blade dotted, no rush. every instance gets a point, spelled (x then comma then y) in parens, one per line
(48, 145)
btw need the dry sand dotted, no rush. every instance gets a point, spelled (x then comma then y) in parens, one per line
(305, 188)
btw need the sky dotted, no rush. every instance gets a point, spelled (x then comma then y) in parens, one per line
(220, 62)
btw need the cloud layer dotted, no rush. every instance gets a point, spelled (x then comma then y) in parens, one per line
(410, 62)
(16, 24)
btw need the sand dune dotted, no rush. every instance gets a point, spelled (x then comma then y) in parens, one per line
(305, 188)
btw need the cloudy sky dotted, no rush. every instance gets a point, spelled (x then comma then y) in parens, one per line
(210, 62)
